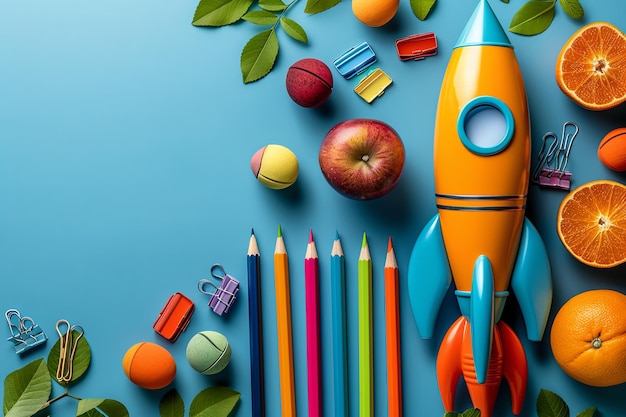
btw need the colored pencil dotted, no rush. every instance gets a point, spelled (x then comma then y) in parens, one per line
(340, 343)
(256, 331)
(283, 321)
(364, 290)
(313, 345)
(392, 319)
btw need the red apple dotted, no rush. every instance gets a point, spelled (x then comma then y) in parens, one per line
(362, 158)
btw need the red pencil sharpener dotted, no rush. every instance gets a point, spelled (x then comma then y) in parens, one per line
(175, 317)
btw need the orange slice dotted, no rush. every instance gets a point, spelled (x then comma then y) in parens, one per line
(591, 223)
(591, 67)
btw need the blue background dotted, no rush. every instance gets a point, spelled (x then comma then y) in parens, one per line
(125, 139)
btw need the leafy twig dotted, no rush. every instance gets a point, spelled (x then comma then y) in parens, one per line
(260, 52)
(534, 17)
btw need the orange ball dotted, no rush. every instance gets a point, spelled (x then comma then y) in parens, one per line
(149, 365)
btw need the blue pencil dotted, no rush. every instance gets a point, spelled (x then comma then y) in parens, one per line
(340, 351)
(256, 334)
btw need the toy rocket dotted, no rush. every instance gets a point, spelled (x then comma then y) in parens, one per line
(480, 237)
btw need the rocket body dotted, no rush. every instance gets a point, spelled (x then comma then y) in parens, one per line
(480, 239)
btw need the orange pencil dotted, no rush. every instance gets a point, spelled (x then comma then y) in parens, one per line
(283, 321)
(392, 315)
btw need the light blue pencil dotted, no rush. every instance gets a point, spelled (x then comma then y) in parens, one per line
(340, 351)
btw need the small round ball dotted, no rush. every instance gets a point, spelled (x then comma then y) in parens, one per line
(208, 352)
(275, 166)
(149, 365)
(309, 82)
(612, 150)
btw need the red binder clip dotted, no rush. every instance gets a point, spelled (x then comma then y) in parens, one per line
(416, 47)
(175, 317)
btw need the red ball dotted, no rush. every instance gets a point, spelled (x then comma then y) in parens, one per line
(309, 82)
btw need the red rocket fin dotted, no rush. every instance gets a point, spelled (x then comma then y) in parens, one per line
(449, 362)
(515, 366)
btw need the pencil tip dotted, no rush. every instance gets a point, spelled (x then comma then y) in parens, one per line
(310, 235)
(389, 245)
(364, 243)
(280, 231)
(336, 234)
(252, 233)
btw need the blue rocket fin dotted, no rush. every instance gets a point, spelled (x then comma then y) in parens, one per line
(532, 281)
(481, 317)
(429, 277)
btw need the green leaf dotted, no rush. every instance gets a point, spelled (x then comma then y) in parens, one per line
(573, 8)
(472, 412)
(551, 405)
(26, 390)
(219, 12)
(317, 6)
(451, 414)
(533, 17)
(214, 402)
(82, 357)
(258, 56)
(260, 17)
(421, 8)
(172, 404)
(293, 29)
(101, 407)
(589, 412)
(272, 5)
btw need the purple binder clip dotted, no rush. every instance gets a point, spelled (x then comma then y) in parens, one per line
(553, 157)
(223, 295)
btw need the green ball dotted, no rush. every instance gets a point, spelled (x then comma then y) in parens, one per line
(208, 352)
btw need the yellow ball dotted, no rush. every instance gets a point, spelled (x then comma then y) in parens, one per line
(275, 166)
(149, 365)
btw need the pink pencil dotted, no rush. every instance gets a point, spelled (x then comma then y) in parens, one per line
(313, 350)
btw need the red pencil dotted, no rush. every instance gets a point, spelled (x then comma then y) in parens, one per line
(313, 346)
(392, 314)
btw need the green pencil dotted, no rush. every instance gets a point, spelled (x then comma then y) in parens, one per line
(366, 374)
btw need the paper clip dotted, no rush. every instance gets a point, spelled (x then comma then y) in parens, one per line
(25, 334)
(553, 158)
(174, 317)
(416, 47)
(355, 60)
(68, 343)
(222, 296)
(373, 85)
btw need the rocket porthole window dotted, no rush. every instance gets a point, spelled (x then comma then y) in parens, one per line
(485, 125)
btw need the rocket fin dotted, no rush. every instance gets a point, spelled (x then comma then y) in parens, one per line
(482, 316)
(515, 368)
(429, 277)
(532, 281)
(449, 362)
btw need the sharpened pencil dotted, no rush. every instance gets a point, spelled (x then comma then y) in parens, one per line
(283, 321)
(256, 332)
(340, 342)
(313, 344)
(392, 319)
(366, 374)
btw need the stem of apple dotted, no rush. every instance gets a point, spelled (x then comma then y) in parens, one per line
(365, 158)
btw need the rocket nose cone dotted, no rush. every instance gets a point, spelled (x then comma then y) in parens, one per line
(483, 28)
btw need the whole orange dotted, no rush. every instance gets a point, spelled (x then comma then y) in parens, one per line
(588, 337)
(375, 13)
(590, 67)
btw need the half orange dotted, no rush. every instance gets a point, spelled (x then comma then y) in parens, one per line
(591, 223)
(591, 67)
